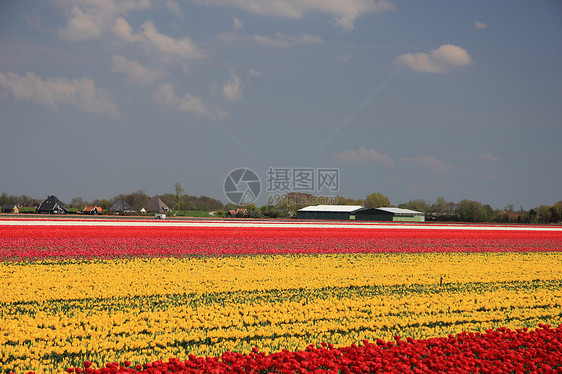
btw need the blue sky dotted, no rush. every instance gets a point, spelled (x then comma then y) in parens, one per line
(411, 99)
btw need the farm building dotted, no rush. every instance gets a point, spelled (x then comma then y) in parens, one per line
(155, 205)
(121, 207)
(359, 213)
(52, 206)
(10, 208)
(389, 214)
(340, 212)
(90, 209)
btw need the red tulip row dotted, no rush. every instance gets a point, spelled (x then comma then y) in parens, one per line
(494, 351)
(31, 242)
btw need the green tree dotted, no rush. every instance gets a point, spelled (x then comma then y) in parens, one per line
(488, 212)
(376, 200)
(470, 211)
(544, 213)
(556, 212)
(340, 200)
(104, 204)
(179, 192)
(419, 205)
(533, 216)
(136, 200)
(78, 203)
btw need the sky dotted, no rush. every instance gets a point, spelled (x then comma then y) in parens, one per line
(415, 100)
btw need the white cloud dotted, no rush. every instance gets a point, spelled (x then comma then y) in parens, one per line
(94, 19)
(480, 25)
(135, 71)
(170, 48)
(364, 156)
(489, 157)
(237, 23)
(123, 30)
(344, 12)
(81, 93)
(284, 41)
(430, 162)
(167, 48)
(232, 89)
(91, 19)
(440, 60)
(187, 103)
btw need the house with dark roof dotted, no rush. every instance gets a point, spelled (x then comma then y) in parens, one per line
(155, 205)
(10, 208)
(121, 207)
(52, 205)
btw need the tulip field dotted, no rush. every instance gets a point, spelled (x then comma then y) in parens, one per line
(222, 296)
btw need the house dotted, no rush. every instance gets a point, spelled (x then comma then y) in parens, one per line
(359, 213)
(52, 205)
(10, 208)
(155, 205)
(91, 209)
(121, 207)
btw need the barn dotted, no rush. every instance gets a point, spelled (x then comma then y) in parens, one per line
(359, 213)
(339, 212)
(389, 214)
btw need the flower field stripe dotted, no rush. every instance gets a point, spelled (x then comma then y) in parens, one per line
(75, 279)
(34, 242)
(86, 296)
(518, 351)
(142, 310)
(274, 224)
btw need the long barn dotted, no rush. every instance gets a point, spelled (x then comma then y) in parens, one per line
(359, 213)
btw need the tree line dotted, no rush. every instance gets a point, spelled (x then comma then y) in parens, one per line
(440, 210)
(137, 200)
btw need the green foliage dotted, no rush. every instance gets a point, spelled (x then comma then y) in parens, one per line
(471, 211)
(376, 200)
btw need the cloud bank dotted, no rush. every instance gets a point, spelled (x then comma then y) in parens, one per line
(91, 19)
(81, 93)
(441, 60)
(135, 71)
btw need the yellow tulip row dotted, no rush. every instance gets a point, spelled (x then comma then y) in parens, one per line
(47, 280)
(67, 315)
